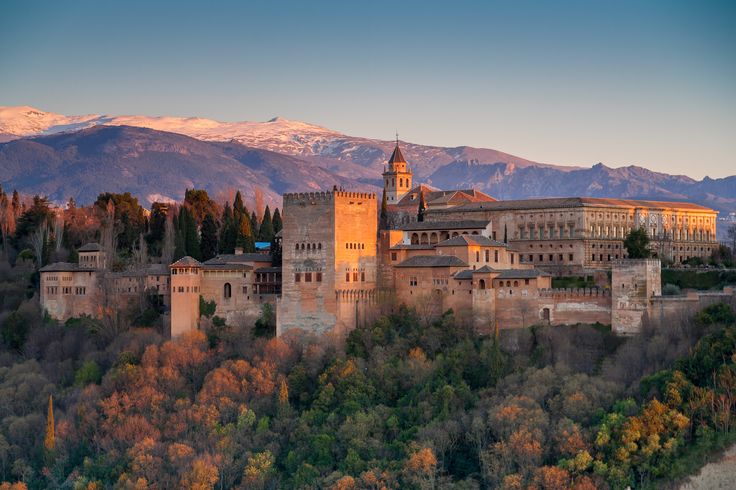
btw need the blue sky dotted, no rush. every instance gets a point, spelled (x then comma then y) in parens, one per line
(650, 83)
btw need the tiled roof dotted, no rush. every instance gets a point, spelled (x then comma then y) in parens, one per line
(269, 269)
(462, 240)
(522, 274)
(238, 258)
(433, 261)
(187, 262)
(484, 270)
(446, 225)
(571, 202)
(466, 274)
(396, 156)
(434, 196)
(61, 267)
(414, 246)
(227, 267)
(90, 247)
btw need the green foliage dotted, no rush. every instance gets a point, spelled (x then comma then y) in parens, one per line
(637, 244)
(573, 282)
(14, 330)
(130, 219)
(670, 290)
(89, 372)
(266, 233)
(206, 308)
(265, 325)
(702, 280)
(716, 314)
(209, 240)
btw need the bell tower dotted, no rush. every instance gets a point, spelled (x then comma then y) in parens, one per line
(396, 176)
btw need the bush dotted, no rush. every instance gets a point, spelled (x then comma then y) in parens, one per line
(88, 373)
(671, 290)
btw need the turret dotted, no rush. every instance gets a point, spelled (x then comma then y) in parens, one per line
(397, 176)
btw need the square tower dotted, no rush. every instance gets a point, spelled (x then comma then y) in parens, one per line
(329, 261)
(633, 283)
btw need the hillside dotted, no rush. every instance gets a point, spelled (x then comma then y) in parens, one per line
(293, 147)
(152, 165)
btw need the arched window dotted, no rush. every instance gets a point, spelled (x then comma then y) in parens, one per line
(319, 246)
(296, 247)
(516, 284)
(482, 284)
(227, 291)
(414, 239)
(302, 246)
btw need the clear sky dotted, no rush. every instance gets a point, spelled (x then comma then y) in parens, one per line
(650, 83)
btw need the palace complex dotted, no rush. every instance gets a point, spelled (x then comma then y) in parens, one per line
(347, 258)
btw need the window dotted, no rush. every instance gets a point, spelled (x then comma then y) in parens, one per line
(412, 281)
(355, 277)
(482, 284)
(245, 289)
(307, 277)
(516, 284)
(477, 256)
(347, 277)
(512, 258)
(227, 290)
(298, 277)
(488, 255)
(495, 256)
(570, 257)
(393, 256)
(526, 282)
(318, 277)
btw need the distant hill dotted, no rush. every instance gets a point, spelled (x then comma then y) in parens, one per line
(152, 165)
(281, 155)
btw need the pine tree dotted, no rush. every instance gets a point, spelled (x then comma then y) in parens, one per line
(208, 246)
(265, 233)
(49, 441)
(383, 223)
(277, 223)
(422, 207)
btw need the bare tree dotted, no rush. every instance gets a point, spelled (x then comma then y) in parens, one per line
(38, 241)
(140, 254)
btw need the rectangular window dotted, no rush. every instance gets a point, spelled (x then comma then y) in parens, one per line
(298, 277)
(393, 256)
(570, 256)
(495, 256)
(245, 289)
(541, 258)
(362, 277)
(318, 277)
(307, 277)
(347, 277)
(526, 282)
(477, 256)
(551, 257)
(488, 255)
(355, 277)
(512, 258)
(494, 235)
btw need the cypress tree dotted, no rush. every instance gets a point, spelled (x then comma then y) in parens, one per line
(228, 232)
(49, 441)
(244, 237)
(208, 246)
(265, 233)
(422, 207)
(189, 232)
(254, 226)
(383, 222)
(238, 206)
(277, 223)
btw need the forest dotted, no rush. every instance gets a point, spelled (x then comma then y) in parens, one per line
(401, 403)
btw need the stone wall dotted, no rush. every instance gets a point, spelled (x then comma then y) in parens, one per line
(633, 284)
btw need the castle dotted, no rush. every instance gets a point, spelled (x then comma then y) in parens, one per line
(489, 261)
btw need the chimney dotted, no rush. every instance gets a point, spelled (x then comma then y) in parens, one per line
(238, 250)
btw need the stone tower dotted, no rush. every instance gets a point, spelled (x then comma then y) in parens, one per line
(329, 261)
(633, 283)
(186, 276)
(396, 177)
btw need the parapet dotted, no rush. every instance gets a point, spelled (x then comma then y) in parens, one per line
(325, 196)
(574, 293)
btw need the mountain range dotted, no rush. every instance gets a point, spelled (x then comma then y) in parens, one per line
(158, 157)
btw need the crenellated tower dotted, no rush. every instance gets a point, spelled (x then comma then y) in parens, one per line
(397, 176)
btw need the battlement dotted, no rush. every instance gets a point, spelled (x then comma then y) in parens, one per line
(635, 262)
(325, 196)
(574, 293)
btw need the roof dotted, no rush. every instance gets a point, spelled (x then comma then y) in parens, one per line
(62, 267)
(572, 202)
(433, 261)
(396, 156)
(484, 270)
(90, 247)
(227, 267)
(446, 225)
(269, 269)
(187, 262)
(437, 197)
(414, 246)
(522, 274)
(238, 258)
(466, 274)
(463, 240)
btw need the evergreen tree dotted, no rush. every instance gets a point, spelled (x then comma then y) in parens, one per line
(238, 206)
(254, 226)
(179, 247)
(15, 203)
(49, 441)
(637, 244)
(265, 233)
(244, 237)
(228, 231)
(189, 233)
(422, 207)
(383, 222)
(277, 223)
(209, 237)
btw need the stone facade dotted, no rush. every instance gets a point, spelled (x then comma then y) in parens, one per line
(579, 235)
(329, 261)
(633, 284)
(239, 284)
